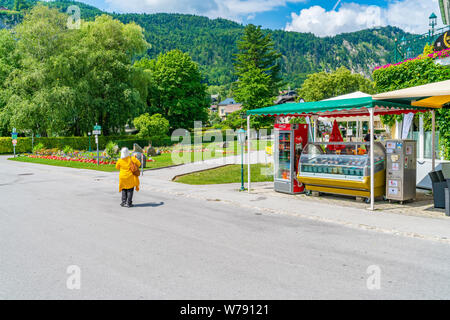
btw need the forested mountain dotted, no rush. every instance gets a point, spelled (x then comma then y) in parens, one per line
(212, 44)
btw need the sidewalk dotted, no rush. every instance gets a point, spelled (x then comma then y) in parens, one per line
(418, 219)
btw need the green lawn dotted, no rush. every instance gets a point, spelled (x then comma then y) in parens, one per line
(228, 174)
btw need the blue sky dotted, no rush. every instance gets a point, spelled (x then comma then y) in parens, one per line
(321, 17)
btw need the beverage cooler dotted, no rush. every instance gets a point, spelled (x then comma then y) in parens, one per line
(290, 139)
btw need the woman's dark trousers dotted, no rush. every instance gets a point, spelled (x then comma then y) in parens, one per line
(127, 196)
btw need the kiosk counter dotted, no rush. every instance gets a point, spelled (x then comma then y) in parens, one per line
(342, 168)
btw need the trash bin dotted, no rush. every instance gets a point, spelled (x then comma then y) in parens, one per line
(138, 156)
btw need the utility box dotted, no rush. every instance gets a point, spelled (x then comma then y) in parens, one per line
(401, 170)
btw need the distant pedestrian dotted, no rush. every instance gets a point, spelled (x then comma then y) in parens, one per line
(128, 177)
(367, 137)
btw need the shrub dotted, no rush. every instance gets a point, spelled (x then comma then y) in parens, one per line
(414, 73)
(111, 149)
(39, 147)
(68, 150)
(155, 127)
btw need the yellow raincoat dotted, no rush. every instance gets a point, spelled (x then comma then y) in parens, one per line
(127, 180)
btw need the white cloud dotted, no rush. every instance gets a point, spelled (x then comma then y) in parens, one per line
(231, 9)
(410, 15)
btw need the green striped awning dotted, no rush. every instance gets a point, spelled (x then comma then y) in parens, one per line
(339, 108)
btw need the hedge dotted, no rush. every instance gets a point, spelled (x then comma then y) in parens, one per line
(415, 73)
(82, 143)
(77, 143)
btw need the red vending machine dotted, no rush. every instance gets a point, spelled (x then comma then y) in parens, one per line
(290, 139)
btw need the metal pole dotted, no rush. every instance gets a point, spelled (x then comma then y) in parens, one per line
(14, 150)
(248, 154)
(433, 139)
(372, 162)
(142, 163)
(242, 166)
(98, 153)
(421, 138)
(315, 128)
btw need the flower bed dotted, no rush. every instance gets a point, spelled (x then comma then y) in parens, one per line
(66, 158)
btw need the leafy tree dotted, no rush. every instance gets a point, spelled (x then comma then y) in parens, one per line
(235, 121)
(8, 62)
(20, 5)
(154, 127)
(176, 90)
(69, 80)
(257, 69)
(214, 118)
(323, 85)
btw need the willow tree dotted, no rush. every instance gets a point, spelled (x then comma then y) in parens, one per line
(70, 79)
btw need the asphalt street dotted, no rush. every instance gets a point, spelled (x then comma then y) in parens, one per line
(174, 247)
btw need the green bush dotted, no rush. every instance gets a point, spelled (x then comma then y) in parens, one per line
(68, 150)
(415, 73)
(111, 149)
(38, 147)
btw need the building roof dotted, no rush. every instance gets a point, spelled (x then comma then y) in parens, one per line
(357, 94)
(227, 101)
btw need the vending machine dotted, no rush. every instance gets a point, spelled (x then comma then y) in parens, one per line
(401, 170)
(290, 139)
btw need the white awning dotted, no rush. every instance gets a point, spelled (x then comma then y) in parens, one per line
(428, 90)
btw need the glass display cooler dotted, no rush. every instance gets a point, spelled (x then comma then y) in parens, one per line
(342, 168)
(290, 140)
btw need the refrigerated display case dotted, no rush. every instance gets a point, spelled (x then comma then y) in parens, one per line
(342, 168)
(290, 140)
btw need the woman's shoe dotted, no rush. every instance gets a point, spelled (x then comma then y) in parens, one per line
(130, 205)
(123, 204)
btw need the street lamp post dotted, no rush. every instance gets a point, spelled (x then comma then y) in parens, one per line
(241, 138)
(89, 134)
(433, 23)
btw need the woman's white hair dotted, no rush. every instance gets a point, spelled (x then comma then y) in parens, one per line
(124, 153)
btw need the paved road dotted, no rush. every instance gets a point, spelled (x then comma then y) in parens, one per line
(172, 247)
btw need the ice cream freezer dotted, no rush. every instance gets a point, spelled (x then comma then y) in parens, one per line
(342, 168)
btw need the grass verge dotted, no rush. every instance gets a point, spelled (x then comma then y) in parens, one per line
(228, 174)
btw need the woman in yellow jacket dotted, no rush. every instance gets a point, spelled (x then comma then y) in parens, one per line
(127, 180)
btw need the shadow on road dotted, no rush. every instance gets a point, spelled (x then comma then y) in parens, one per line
(146, 205)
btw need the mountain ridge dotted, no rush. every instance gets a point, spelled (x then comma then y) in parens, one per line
(212, 43)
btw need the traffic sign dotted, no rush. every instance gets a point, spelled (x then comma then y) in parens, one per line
(97, 127)
(14, 142)
(97, 132)
(14, 136)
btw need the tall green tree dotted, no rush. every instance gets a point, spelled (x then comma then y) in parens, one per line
(69, 80)
(20, 5)
(9, 61)
(257, 68)
(324, 85)
(176, 89)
